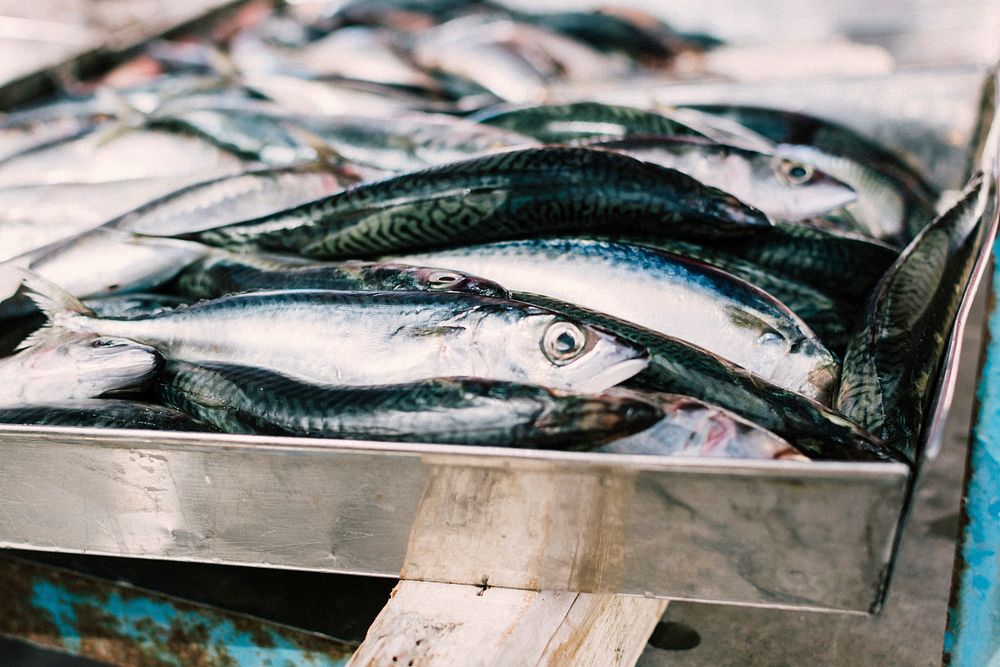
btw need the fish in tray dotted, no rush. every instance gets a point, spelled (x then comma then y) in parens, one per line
(116, 155)
(135, 304)
(134, 261)
(101, 413)
(66, 365)
(660, 291)
(839, 264)
(507, 195)
(894, 202)
(783, 189)
(357, 338)
(561, 123)
(829, 318)
(227, 273)
(894, 356)
(693, 428)
(678, 367)
(244, 399)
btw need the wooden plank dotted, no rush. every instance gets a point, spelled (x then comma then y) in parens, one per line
(437, 624)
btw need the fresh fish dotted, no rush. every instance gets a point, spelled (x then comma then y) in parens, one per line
(250, 136)
(30, 128)
(829, 318)
(514, 194)
(667, 293)
(37, 215)
(360, 52)
(356, 338)
(840, 264)
(314, 96)
(225, 273)
(894, 201)
(101, 262)
(140, 304)
(647, 39)
(469, 411)
(693, 428)
(895, 354)
(408, 141)
(229, 199)
(101, 413)
(681, 368)
(99, 157)
(783, 189)
(72, 365)
(561, 123)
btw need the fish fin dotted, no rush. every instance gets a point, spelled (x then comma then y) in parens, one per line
(60, 308)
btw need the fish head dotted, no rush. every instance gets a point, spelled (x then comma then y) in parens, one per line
(558, 352)
(799, 189)
(729, 210)
(443, 280)
(597, 417)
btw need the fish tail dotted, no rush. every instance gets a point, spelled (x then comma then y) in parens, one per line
(62, 310)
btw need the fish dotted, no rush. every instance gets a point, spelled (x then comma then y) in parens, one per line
(562, 123)
(645, 39)
(465, 411)
(506, 195)
(98, 157)
(358, 338)
(231, 198)
(227, 273)
(407, 141)
(830, 318)
(34, 216)
(693, 428)
(898, 347)
(667, 293)
(363, 53)
(101, 413)
(894, 201)
(516, 47)
(839, 264)
(72, 365)
(783, 189)
(127, 263)
(679, 367)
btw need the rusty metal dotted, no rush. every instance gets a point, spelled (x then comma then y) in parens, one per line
(122, 625)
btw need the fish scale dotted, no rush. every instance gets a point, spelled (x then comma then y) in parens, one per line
(242, 399)
(519, 193)
(899, 344)
(369, 337)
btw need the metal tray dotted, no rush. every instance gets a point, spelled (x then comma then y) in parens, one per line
(814, 536)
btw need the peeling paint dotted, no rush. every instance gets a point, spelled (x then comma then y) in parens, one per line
(122, 625)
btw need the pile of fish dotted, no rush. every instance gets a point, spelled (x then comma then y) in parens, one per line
(372, 223)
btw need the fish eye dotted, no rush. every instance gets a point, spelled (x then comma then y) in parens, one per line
(443, 278)
(563, 342)
(795, 173)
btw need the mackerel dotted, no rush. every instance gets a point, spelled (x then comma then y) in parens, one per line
(664, 292)
(470, 411)
(508, 195)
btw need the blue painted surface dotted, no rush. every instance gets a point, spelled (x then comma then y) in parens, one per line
(148, 622)
(973, 636)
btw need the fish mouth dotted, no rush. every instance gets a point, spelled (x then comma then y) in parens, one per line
(615, 416)
(613, 375)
